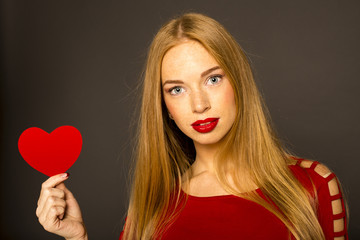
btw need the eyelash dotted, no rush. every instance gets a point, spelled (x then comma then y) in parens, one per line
(215, 76)
(207, 80)
(173, 88)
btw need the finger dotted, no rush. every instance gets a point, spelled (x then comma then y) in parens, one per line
(46, 193)
(68, 194)
(50, 183)
(55, 180)
(49, 192)
(51, 202)
(52, 218)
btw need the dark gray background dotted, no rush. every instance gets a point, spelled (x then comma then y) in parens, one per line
(79, 62)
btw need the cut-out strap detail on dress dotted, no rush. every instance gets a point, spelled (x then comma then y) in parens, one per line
(313, 165)
(335, 196)
(298, 160)
(330, 177)
(331, 187)
(340, 234)
(339, 215)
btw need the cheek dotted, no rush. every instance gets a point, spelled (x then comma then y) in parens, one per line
(169, 106)
(179, 112)
(173, 107)
(229, 102)
(228, 98)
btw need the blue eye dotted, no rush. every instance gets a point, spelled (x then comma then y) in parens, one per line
(176, 90)
(214, 80)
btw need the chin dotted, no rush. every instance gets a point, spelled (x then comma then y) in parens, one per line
(207, 140)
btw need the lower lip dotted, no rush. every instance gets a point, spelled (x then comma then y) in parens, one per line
(207, 127)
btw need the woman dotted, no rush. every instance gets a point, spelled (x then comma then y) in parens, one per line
(209, 165)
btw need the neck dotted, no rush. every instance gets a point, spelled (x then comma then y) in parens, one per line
(204, 163)
(205, 157)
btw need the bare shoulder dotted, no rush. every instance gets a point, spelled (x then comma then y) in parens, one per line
(331, 183)
(320, 168)
(324, 172)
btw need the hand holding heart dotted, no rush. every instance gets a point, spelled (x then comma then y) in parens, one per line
(53, 154)
(58, 211)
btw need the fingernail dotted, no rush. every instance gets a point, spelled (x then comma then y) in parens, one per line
(65, 175)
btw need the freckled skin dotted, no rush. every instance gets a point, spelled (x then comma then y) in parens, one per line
(197, 97)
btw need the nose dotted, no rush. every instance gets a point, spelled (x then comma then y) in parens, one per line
(200, 102)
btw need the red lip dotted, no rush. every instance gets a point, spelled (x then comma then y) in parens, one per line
(205, 128)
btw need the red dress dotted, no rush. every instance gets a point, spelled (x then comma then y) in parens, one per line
(231, 217)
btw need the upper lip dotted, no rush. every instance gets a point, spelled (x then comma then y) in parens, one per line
(198, 122)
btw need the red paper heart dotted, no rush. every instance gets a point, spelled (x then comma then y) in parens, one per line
(52, 153)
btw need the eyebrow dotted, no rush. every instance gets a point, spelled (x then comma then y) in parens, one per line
(203, 74)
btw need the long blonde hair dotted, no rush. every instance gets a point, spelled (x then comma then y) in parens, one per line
(164, 153)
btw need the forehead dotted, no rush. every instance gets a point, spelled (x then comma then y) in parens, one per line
(188, 57)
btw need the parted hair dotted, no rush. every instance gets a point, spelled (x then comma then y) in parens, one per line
(251, 148)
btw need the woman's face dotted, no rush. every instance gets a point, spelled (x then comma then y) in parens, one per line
(197, 93)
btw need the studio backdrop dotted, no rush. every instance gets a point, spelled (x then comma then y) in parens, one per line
(79, 63)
